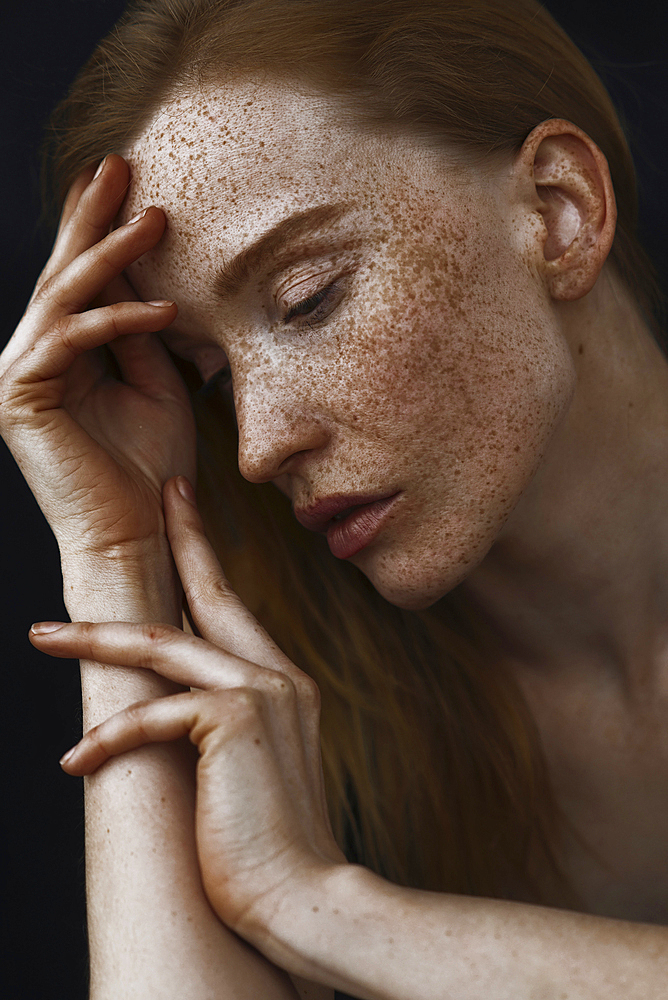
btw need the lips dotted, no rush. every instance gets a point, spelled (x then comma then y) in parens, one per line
(317, 517)
(350, 521)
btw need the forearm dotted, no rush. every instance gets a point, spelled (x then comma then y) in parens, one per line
(152, 932)
(134, 586)
(378, 941)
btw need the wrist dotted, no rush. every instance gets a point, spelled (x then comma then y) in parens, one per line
(307, 932)
(135, 583)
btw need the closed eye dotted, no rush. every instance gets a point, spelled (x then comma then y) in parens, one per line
(316, 307)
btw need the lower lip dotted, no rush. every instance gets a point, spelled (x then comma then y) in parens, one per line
(348, 537)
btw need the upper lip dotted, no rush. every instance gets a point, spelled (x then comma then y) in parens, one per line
(317, 516)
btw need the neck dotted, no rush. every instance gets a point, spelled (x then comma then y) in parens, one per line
(577, 582)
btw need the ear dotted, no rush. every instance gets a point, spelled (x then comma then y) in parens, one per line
(567, 178)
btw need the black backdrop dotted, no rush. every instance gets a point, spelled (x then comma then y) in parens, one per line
(44, 43)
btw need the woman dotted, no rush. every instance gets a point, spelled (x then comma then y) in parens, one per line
(395, 231)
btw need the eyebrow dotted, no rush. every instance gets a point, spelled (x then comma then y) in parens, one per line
(234, 274)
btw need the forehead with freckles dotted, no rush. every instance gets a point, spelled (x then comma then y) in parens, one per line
(228, 162)
(237, 135)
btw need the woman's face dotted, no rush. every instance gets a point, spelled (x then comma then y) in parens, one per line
(389, 338)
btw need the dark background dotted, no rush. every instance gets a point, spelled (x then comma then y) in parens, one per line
(44, 42)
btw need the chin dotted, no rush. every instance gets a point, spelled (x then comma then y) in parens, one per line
(415, 589)
(415, 578)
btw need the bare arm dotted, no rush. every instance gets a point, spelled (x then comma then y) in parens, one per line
(152, 932)
(378, 941)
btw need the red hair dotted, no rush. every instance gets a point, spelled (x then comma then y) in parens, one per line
(434, 771)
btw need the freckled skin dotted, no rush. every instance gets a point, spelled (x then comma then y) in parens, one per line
(440, 370)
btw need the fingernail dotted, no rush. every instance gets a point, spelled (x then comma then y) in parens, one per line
(160, 302)
(39, 628)
(137, 217)
(66, 756)
(186, 490)
(100, 168)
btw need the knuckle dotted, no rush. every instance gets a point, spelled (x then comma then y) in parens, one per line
(87, 631)
(308, 691)
(156, 640)
(95, 737)
(226, 714)
(245, 702)
(43, 288)
(135, 715)
(8, 399)
(105, 736)
(67, 330)
(46, 274)
(277, 685)
(159, 634)
(212, 588)
(115, 314)
(107, 254)
(62, 329)
(53, 293)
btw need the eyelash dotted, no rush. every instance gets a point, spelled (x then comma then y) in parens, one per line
(316, 307)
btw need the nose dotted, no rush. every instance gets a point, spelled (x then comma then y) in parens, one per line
(275, 434)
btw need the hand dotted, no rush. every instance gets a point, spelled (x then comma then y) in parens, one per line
(94, 448)
(261, 815)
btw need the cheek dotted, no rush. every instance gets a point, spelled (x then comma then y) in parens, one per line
(465, 392)
(457, 350)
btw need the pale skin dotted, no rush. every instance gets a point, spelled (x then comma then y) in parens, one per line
(473, 303)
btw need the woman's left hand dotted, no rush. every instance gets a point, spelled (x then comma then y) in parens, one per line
(261, 814)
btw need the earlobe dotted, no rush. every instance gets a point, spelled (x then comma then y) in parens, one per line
(573, 193)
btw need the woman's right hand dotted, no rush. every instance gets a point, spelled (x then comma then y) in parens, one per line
(95, 448)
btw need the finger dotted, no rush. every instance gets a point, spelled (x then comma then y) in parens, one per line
(217, 611)
(221, 616)
(196, 714)
(158, 721)
(185, 659)
(145, 364)
(84, 277)
(89, 211)
(73, 196)
(74, 335)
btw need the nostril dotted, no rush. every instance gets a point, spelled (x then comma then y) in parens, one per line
(264, 457)
(288, 464)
